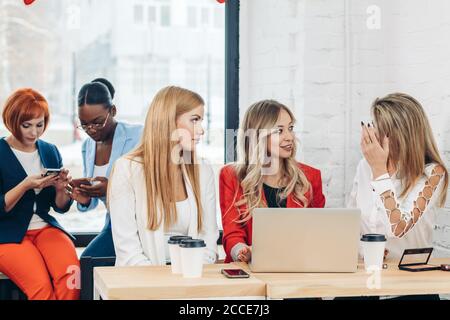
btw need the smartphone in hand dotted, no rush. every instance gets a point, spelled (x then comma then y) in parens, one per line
(51, 172)
(84, 181)
(78, 182)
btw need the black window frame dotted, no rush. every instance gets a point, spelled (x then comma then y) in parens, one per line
(232, 8)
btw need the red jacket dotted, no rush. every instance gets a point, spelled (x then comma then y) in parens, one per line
(233, 232)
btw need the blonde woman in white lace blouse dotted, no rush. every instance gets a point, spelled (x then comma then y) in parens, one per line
(402, 180)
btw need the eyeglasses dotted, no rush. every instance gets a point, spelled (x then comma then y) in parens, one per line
(94, 126)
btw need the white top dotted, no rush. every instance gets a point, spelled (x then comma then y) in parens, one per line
(31, 163)
(181, 227)
(366, 195)
(134, 243)
(100, 171)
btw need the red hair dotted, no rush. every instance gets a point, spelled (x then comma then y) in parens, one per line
(24, 105)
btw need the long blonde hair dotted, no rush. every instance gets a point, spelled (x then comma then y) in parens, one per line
(155, 154)
(411, 142)
(257, 125)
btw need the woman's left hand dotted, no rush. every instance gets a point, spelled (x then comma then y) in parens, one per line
(375, 153)
(97, 190)
(62, 181)
(245, 254)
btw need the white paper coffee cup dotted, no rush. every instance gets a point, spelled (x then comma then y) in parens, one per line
(192, 254)
(373, 246)
(174, 252)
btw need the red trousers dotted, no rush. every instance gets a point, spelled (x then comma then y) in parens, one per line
(44, 266)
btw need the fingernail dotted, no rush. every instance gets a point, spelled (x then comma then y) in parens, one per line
(368, 125)
(362, 124)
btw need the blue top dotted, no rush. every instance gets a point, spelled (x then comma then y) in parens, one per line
(126, 138)
(14, 224)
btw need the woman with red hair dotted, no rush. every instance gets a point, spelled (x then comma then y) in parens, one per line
(35, 252)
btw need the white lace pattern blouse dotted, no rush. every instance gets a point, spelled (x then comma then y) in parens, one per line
(408, 221)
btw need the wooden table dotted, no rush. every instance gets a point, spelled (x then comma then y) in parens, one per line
(389, 282)
(158, 282)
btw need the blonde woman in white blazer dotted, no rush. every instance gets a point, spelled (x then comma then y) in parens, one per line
(160, 189)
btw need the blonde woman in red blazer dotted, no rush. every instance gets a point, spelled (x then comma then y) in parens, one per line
(265, 175)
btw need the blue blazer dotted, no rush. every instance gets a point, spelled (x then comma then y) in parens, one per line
(14, 224)
(126, 138)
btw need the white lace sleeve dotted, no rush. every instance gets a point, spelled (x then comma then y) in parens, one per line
(401, 221)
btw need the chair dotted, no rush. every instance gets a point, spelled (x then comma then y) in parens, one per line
(87, 265)
(9, 291)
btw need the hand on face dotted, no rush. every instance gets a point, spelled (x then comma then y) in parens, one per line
(374, 152)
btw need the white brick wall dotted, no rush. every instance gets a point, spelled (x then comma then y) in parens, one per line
(320, 58)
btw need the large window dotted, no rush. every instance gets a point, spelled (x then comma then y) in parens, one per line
(141, 46)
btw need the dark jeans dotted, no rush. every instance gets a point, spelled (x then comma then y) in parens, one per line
(102, 245)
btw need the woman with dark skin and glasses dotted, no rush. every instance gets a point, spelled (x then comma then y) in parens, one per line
(108, 140)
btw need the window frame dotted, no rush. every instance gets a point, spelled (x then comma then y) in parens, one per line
(231, 78)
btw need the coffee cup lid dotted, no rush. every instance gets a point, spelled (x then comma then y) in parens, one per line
(373, 237)
(178, 239)
(192, 243)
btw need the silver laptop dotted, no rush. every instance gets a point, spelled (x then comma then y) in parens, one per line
(305, 240)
